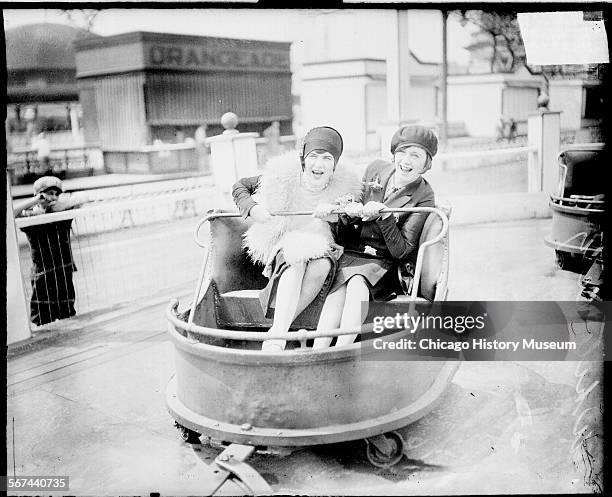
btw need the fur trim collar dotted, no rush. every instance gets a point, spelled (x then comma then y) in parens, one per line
(281, 189)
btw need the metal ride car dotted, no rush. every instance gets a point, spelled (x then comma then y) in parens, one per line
(579, 207)
(228, 393)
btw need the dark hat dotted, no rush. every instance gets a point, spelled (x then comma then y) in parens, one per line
(46, 183)
(323, 138)
(417, 136)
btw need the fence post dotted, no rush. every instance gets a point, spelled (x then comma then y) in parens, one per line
(543, 134)
(17, 316)
(233, 155)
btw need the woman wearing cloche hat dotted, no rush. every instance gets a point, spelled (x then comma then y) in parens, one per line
(375, 243)
(298, 252)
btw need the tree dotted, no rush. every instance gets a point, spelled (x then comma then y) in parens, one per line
(82, 18)
(501, 34)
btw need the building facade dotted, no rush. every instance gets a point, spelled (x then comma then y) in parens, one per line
(42, 92)
(479, 101)
(351, 95)
(139, 88)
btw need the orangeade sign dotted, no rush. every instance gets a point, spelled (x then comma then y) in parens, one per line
(190, 57)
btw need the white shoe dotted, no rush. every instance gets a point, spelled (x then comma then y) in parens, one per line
(273, 346)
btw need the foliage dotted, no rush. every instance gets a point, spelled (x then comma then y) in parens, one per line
(81, 18)
(502, 30)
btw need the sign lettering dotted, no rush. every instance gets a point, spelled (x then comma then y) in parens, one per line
(206, 57)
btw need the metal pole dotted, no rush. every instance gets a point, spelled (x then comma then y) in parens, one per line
(444, 85)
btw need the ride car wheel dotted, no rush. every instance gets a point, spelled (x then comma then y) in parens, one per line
(569, 261)
(189, 436)
(385, 450)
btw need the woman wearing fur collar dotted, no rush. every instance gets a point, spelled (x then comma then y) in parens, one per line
(298, 252)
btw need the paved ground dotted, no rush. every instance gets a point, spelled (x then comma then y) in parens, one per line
(89, 403)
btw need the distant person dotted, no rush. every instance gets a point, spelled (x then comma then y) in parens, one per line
(202, 148)
(512, 130)
(272, 133)
(501, 129)
(53, 294)
(43, 151)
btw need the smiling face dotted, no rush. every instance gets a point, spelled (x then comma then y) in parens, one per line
(410, 163)
(49, 197)
(318, 169)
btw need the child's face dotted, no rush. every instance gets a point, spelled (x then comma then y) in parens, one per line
(49, 197)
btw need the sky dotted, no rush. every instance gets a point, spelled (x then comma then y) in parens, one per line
(361, 31)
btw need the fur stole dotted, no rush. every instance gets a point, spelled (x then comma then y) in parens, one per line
(300, 237)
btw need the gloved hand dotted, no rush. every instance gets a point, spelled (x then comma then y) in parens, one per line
(354, 209)
(371, 210)
(324, 212)
(259, 214)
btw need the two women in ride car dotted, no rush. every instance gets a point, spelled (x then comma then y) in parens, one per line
(373, 242)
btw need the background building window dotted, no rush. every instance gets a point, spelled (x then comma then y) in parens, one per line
(593, 102)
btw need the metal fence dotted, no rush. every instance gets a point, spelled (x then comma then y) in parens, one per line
(123, 251)
(24, 165)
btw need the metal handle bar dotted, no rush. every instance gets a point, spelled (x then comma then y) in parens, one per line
(578, 200)
(575, 209)
(189, 326)
(215, 215)
(257, 336)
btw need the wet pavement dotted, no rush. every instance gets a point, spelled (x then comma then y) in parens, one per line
(89, 403)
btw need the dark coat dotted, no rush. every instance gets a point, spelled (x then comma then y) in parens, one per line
(373, 249)
(53, 294)
(397, 236)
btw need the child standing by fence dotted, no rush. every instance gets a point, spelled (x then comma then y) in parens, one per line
(53, 294)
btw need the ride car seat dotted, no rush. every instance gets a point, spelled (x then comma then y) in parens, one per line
(584, 170)
(434, 272)
(236, 280)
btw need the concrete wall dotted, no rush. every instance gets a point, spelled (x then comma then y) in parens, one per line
(351, 95)
(422, 101)
(477, 99)
(346, 95)
(376, 112)
(478, 103)
(566, 96)
(337, 103)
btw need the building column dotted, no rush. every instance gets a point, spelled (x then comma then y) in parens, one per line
(17, 315)
(398, 80)
(233, 155)
(74, 123)
(543, 135)
(398, 73)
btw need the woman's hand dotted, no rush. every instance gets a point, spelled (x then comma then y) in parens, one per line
(259, 214)
(372, 210)
(354, 209)
(325, 212)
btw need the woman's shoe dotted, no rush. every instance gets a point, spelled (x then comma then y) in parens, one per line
(273, 346)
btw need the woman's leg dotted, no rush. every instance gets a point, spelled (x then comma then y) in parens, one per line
(287, 296)
(314, 278)
(357, 292)
(330, 316)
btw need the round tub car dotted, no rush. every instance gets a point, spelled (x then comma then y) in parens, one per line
(228, 392)
(578, 208)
